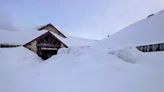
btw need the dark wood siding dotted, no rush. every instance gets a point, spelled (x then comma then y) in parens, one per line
(151, 47)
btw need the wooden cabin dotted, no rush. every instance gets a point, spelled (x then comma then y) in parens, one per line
(47, 44)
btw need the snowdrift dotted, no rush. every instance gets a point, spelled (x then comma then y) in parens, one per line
(128, 54)
(17, 56)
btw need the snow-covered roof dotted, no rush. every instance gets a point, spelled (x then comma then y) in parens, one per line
(147, 31)
(75, 41)
(19, 37)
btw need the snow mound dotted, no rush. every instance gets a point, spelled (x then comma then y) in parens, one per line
(17, 56)
(127, 54)
(74, 50)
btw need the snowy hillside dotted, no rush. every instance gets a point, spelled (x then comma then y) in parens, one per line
(147, 31)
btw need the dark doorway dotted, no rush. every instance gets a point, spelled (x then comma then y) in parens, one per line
(47, 46)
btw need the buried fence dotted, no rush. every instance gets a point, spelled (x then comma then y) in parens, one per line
(8, 45)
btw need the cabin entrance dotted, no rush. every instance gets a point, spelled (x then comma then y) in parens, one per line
(46, 50)
(47, 46)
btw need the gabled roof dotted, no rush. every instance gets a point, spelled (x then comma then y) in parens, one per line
(50, 25)
(46, 34)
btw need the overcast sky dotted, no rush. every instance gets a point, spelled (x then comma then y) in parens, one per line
(93, 19)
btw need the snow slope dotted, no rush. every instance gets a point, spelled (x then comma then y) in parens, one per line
(18, 56)
(11, 61)
(147, 31)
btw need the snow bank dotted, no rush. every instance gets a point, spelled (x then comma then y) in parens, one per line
(72, 70)
(127, 54)
(17, 56)
(75, 50)
(12, 61)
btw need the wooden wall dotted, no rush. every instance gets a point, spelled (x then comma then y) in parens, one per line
(32, 46)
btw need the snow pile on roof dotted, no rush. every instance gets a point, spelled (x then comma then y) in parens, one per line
(147, 31)
(19, 37)
(71, 41)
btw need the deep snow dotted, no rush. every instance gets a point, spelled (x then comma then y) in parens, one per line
(81, 69)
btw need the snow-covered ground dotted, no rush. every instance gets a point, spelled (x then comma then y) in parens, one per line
(82, 69)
